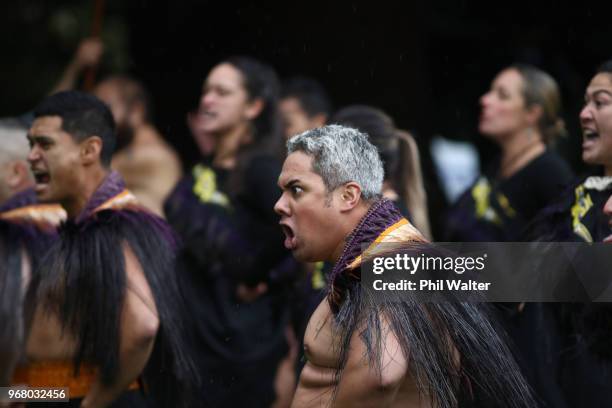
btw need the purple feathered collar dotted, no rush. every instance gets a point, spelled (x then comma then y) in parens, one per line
(381, 215)
(23, 199)
(23, 209)
(110, 194)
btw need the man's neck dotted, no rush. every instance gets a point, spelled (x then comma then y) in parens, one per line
(86, 190)
(351, 222)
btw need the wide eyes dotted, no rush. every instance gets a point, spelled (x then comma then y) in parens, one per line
(296, 190)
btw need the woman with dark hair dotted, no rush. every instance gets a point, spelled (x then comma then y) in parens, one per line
(583, 214)
(520, 113)
(578, 215)
(403, 182)
(233, 258)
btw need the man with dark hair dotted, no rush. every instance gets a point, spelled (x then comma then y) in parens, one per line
(388, 352)
(149, 166)
(304, 105)
(26, 229)
(106, 308)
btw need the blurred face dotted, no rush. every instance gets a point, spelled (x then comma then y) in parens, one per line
(294, 117)
(503, 107)
(109, 93)
(308, 212)
(54, 158)
(608, 212)
(596, 122)
(224, 102)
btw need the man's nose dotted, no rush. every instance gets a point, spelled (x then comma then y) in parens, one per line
(33, 154)
(281, 207)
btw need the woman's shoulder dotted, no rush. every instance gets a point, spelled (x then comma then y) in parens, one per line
(551, 160)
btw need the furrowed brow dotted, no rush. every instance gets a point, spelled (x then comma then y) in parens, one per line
(290, 183)
(39, 138)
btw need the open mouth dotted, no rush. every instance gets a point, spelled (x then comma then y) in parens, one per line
(41, 177)
(590, 134)
(290, 239)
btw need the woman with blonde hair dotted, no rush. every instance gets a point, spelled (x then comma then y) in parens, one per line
(520, 113)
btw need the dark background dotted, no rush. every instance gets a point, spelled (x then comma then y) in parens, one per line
(425, 63)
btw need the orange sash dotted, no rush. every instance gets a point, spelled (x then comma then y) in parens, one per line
(56, 374)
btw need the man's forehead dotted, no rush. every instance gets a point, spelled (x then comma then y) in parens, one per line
(45, 124)
(297, 165)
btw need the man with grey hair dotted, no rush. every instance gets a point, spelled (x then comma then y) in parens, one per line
(389, 353)
(24, 227)
(15, 175)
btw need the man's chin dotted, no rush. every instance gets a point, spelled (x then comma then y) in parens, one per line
(303, 256)
(43, 194)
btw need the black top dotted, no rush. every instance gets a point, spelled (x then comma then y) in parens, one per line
(231, 237)
(499, 210)
(577, 215)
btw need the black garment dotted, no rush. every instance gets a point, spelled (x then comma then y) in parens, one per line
(499, 210)
(231, 236)
(585, 357)
(577, 215)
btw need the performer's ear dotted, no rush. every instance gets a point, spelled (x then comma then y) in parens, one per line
(91, 149)
(254, 108)
(351, 196)
(17, 174)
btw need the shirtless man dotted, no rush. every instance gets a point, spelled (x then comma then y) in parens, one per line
(357, 352)
(108, 283)
(149, 166)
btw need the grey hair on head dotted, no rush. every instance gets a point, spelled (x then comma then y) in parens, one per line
(13, 141)
(340, 155)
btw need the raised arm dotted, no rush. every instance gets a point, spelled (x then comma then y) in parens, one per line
(88, 54)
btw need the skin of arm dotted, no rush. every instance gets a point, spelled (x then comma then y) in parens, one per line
(139, 326)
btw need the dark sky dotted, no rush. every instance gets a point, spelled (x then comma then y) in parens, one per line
(425, 63)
